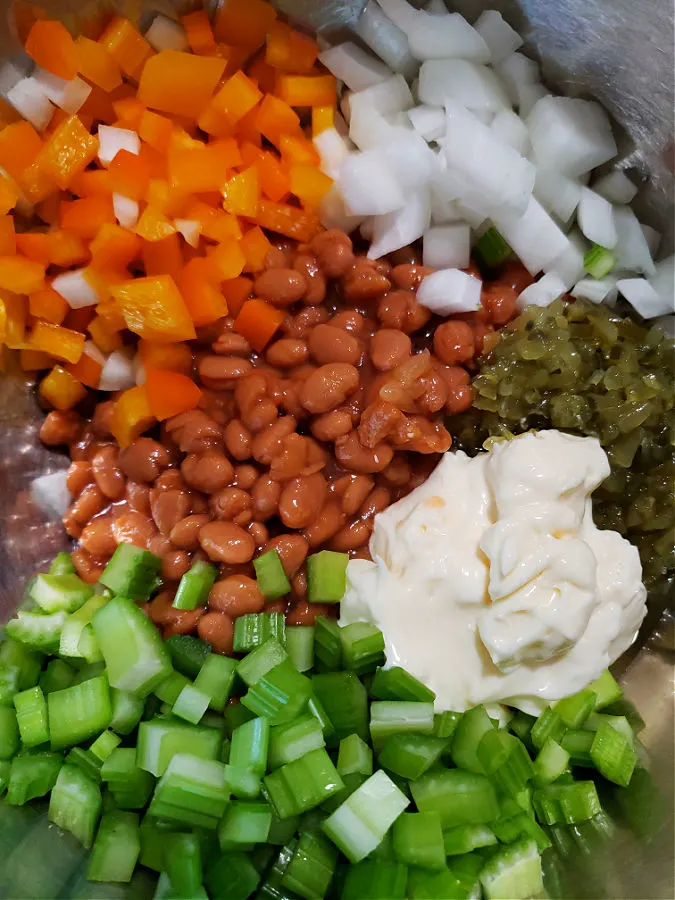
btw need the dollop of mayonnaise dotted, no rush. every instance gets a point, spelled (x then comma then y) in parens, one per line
(490, 582)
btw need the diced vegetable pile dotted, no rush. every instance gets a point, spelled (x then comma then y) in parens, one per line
(330, 773)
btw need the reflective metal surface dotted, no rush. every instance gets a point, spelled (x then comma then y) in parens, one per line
(619, 51)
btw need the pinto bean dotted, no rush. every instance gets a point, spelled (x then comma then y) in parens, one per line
(329, 344)
(168, 508)
(227, 543)
(232, 504)
(143, 460)
(236, 595)
(292, 550)
(61, 427)
(329, 387)
(281, 286)
(301, 500)
(353, 456)
(207, 472)
(185, 533)
(107, 473)
(217, 629)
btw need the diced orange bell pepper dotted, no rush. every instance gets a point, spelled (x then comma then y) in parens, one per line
(298, 224)
(126, 46)
(129, 174)
(244, 23)
(227, 260)
(68, 152)
(87, 370)
(307, 90)
(198, 170)
(8, 115)
(163, 257)
(261, 72)
(155, 130)
(105, 338)
(176, 357)
(241, 193)
(79, 319)
(62, 343)
(323, 118)
(21, 275)
(48, 305)
(131, 416)
(129, 112)
(33, 245)
(98, 107)
(15, 315)
(153, 225)
(34, 360)
(164, 197)
(199, 33)
(85, 217)
(48, 209)
(310, 185)
(66, 249)
(257, 322)
(97, 65)
(154, 309)
(92, 182)
(274, 118)
(237, 97)
(204, 301)
(274, 181)
(7, 236)
(236, 291)
(216, 224)
(37, 185)
(255, 247)
(170, 393)
(114, 247)
(49, 43)
(179, 83)
(9, 194)
(289, 50)
(61, 390)
(19, 146)
(296, 150)
(247, 128)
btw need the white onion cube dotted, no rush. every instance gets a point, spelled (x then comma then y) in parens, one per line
(400, 12)
(390, 96)
(333, 150)
(111, 140)
(446, 37)
(631, 250)
(126, 211)
(386, 39)
(571, 135)
(473, 86)
(29, 100)
(351, 64)
(51, 494)
(447, 246)
(368, 128)
(428, 121)
(70, 96)
(644, 298)
(334, 214)
(515, 71)
(165, 34)
(663, 281)
(119, 373)
(410, 158)
(557, 193)
(403, 226)
(569, 265)
(511, 129)
(543, 292)
(616, 187)
(596, 219)
(368, 185)
(534, 237)
(501, 39)
(191, 230)
(595, 290)
(450, 291)
(75, 289)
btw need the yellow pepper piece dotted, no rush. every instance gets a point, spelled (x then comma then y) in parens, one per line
(62, 343)
(15, 309)
(21, 275)
(9, 194)
(241, 193)
(61, 390)
(154, 309)
(309, 185)
(131, 416)
(153, 225)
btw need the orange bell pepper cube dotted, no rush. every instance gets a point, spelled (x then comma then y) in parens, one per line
(202, 169)
(34, 360)
(129, 174)
(176, 357)
(296, 150)
(236, 291)
(153, 225)
(300, 225)
(307, 90)
(289, 50)
(19, 146)
(170, 393)
(15, 310)
(96, 64)
(262, 73)
(216, 224)
(85, 217)
(275, 118)
(66, 249)
(154, 309)
(131, 416)
(61, 390)
(199, 289)
(163, 257)
(155, 130)
(49, 43)
(48, 305)
(79, 319)
(67, 152)
(114, 247)
(21, 275)
(62, 343)
(227, 260)
(8, 115)
(93, 181)
(309, 185)
(9, 194)
(34, 245)
(241, 193)
(274, 181)
(257, 322)
(244, 23)
(7, 236)
(126, 45)
(199, 33)
(105, 338)
(255, 247)
(179, 83)
(129, 111)
(323, 118)
(87, 370)
(237, 97)
(98, 107)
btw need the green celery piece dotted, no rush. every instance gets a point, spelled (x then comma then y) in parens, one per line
(192, 791)
(187, 653)
(569, 804)
(418, 840)
(293, 740)
(194, 586)
(303, 784)
(76, 635)
(242, 782)
(184, 864)
(300, 646)
(505, 759)
(424, 883)
(126, 779)
(388, 717)
(261, 661)
(577, 743)
(326, 576)
(244, 823)
(57, 676)
(576, 709)
(116, 848)
(135, 657)
(492, 249)
(599, 261)
(216, 678)
(191, 704)
(9, 684)
(345, 701)
(351, 783)
(154, 834)
(465, 838)
(280, 694)
(310, 870)
(547, 725)
(327, 645)
(354, 756)
(613, 755)
(5, 769)
(235, 715)
(282, 830)
(250, 746)
(60, 593)
(232, 876)
(397, 684)
(468, 735)
(79, 712)
(62, 564)
(37, 631)
(461, 797)
(16, 655)
(362, 647)
(551, 762)
(127, 711)
(169, 690)
(254, 629)
(411, 755)
(10, 739)
(131, 572)
(606, 690)
(32, 775)
(159, 739)
(75, 803)
(514, 872)
(86, 761)
(374, 879)
(272, 580)
(31, 717)
(104, 745)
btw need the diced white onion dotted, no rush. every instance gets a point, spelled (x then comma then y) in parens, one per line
(569, 265)
(166, 34)
(70, 96)
(534, 237)
(333, 150)
(511, 129)
(447, 247)
(475, 87)
(29, 100)
(351, 64)
(557, 193)
(450, 291)
(378, 32)
(596, 290)
(368, 128)
(400, 12)
(444, 206)
(92, 351)
(126, 211)
(446, 37)
(401, 227)
(528, 97)
(51, 494)
(390, 96)
(9, 77)
(644, 298)
(190, 229)
(410, 158)
(631, 250)
(571, 135)
(501, 39)
(334, 213)
(663, 281)
(111, 140)
(516, 70)
(596, 219)
(653, 238)
(368, 184)
(542, 292)
(75, 289)
(428, 121)
(118, 372)
(436, 8)
(616, 187)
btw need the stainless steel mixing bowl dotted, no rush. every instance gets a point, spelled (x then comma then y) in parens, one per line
(618, 51)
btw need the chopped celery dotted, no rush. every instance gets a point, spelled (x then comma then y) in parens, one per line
(552, 760)
(160, 739)
(606, 690)
(135, 657)
(104, 745)
(86, 761)
(345, 700)
(260, 661)
(302, 784)
(569, 804)
(215, 678)
(354, 756)
(445, 725)
(272, 580)
(327, 644)
(37, 631)
(326, 576)
(31, 717)
(130, 785)
(506, 760)
(60, 593)
(492, 249)
(191, 791)
(310, 869)
(131, 572)
(411, 755)
(79, 712)
(362, 647)
(72, 633)
(250, 746)
(15, 655)
(242, 782)
(465, 838)
(280, 694)
(613, 755)
(578, 744)
(461, 797)
(253, 629)
(473, 725)
(576, 709)
(244, 823)
(191, 704)
(5, 769)
(389, 717)
(169, 690)
(425, 884)
(599, 261)
(10, 739)
(127, 710)
(235, 715)
(116, 848)
(9, 684)
(183, 864)
(397, 684)
(194, 586)
(300, 646)
(62, 564)
(351, 783)
(619, 723)
(418, 840)
(57, 676)
(187, 653)
(359, 824)
(513, 872)
(548, 725)
(315, 708)
(75, 804)
(231, 876)
(32, 775)
(374, 879)
(294, 739)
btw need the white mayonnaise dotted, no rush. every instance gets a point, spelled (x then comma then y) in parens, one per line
(490, 582)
